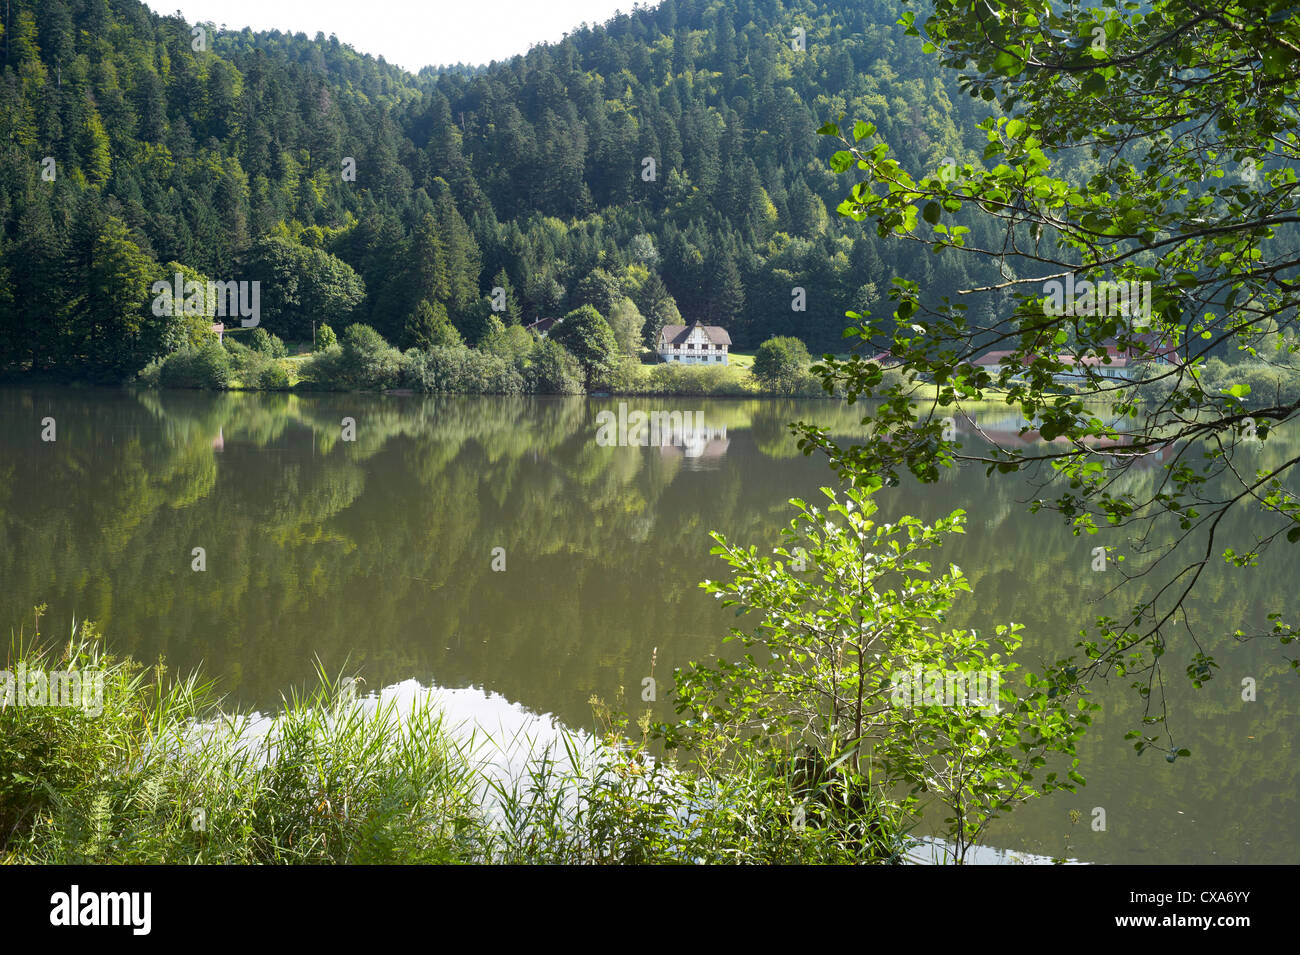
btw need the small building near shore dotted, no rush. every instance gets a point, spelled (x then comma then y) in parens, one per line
(696, 344)
(541, 326)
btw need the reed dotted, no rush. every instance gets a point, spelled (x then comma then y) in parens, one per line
(165, 772)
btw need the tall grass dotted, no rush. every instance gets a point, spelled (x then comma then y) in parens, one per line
(164, 773)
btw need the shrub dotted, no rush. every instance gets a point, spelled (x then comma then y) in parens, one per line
(462, 370)
(675, 378)
(587, 337)
(323, 371)
(1268, 385)
(273, 377)
(781, 363)
(550, 370)
(243, 359)
(325, 338)
(264, 343)
(840, 675)
(206, 367)
(150, 373)
(367, 361)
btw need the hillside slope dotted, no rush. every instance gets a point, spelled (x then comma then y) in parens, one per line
(668, 156)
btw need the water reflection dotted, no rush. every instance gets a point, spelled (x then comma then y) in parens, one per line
(376, 555)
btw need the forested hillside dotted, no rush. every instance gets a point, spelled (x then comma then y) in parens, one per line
(667, 159)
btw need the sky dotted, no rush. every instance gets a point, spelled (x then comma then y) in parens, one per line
(409, 33)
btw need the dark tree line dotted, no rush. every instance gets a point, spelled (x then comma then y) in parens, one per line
(667, 157)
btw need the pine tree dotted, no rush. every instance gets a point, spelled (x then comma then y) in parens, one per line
(512, 313)
(428, 327)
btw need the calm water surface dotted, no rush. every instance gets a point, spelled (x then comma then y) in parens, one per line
(376, 556)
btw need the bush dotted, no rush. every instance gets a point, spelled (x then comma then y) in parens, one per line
(848, 673)
(587, 337)
(206, 367)
(550, 370)
(675, 378)
(323, 371)
(463, 371)
(367, 361)
(782, 363)
(325, 338)
(264, 343)
(242, 358)
(150, 373)
(1267, 383)
(273, 377)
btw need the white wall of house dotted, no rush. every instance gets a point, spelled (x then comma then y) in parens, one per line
(696, 350)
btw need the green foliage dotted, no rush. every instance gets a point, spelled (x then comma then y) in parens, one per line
(587, 337)
(337, 780)
(600, 290)
(207, 367)
(273, 377)
(325, 338)
(511, 342)
(330, 782)
(367, 361)
(513, 311)
(550, 370)
(781, 362)
(180, 325)
(1079, 165)
(429, 326)
(264, 343)
(456, 369)
(657, 306)
(626, 321)
(300, 284)
(614, 803)
(226, 161)
(849, 610)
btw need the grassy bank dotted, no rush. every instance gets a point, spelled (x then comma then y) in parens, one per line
(162, 773)
(360, 360)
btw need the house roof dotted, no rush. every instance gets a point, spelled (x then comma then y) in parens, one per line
(541, 326)
(992, 358)
(1114, 357)
(677, 334)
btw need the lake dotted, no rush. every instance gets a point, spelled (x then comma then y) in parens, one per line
(497, 544)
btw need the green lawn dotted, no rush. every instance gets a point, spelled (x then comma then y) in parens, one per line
(741, 359)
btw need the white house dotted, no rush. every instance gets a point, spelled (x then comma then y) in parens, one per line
(694, 344)
(1114, 364)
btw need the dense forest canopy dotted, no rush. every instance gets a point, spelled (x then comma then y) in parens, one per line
(667, 157)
